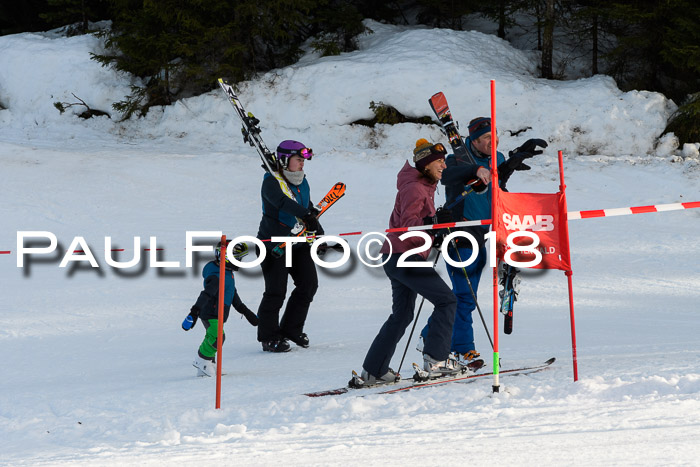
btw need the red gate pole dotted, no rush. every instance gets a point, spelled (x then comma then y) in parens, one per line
(494, 201)
(220, 333)
(567, 258)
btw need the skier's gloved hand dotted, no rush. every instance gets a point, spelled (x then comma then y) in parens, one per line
(249, 315)
(311, 222)
(439, 236)
(526, 151)
(191, 319)
(443, 215)
(513, 163)
(504, 173)
(516, 158)
(322, 249)
(530, 147)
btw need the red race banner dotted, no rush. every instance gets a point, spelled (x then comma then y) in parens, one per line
(543, 214)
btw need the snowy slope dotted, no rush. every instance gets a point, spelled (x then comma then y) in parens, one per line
(98, 370)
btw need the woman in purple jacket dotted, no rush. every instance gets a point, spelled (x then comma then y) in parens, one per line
(414, 206)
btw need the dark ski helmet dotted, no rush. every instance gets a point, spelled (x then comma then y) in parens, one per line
(240, 250)
(289, 148)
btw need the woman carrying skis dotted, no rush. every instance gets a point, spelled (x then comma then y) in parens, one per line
(414, 205)
(284, 200)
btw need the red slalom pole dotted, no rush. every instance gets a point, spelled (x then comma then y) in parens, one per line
(567, 257)
(220, 333)
(494, 199)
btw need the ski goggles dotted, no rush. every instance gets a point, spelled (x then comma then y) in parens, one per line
(438, 148)
(306, 153)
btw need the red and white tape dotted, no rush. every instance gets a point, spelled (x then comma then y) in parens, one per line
(572, 215)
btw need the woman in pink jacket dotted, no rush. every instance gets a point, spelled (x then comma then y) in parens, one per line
(414, 206)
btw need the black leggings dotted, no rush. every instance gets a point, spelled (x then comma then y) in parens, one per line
(303, 272)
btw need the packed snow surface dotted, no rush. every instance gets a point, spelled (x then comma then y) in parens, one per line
(97, 370)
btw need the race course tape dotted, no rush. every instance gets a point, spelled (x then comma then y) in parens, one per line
(571, 215)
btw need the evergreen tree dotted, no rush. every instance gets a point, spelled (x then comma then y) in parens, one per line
(444, 13)
(680, 49)
(63, 12)
(179, 47)
(337, 23)
(590, 19)
(658, 49)
(16, 17)
(548, 40)
(685, 122)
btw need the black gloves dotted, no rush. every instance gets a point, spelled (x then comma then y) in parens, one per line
(526, 151)
(322, 249)
(442, 216)
(311, 222)
(249, 315)
(191, 319)
(530, 146)
(516, 158)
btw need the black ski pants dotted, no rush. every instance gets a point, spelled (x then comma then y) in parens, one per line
(406, 284)
(303, 273)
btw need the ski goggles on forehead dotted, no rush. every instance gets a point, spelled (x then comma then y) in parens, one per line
(439, 148)
(306, 153)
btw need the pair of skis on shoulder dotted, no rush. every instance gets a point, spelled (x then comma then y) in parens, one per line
(251, 135)
(407, 384)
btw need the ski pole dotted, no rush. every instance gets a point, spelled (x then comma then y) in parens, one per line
(464, 194)
(471, 289)
(415, 321)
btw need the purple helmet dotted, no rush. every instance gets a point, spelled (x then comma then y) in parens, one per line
(289, 148)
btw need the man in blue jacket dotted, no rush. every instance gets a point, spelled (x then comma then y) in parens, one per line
(475, 206)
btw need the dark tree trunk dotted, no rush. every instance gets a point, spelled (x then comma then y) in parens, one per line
(538, 14)
(594, 51)
(548, 41)
(85, 16)
(502, 19)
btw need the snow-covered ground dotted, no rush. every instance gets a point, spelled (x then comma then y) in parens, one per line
(97, 370)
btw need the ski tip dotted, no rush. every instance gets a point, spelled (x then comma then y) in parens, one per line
(550, 361)
(332, 392)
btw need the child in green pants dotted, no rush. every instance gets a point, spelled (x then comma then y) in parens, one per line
(207, 308)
